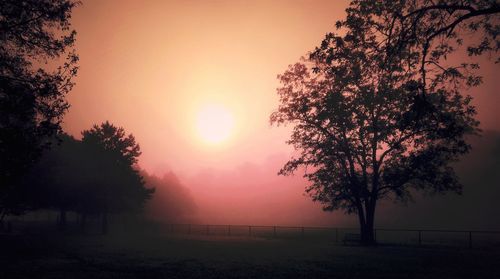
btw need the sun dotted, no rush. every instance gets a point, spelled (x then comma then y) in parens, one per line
(214, 123)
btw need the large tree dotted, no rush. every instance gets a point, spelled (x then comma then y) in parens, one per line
(369, 123)
(34, 34)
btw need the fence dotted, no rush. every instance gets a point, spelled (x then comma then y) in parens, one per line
(419, 237)
(464, 238)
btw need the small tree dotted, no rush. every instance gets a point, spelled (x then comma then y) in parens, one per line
(32, 97)
(367, 124)
(114, 184)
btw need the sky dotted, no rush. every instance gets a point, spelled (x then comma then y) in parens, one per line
(154, 67)
(150, 66)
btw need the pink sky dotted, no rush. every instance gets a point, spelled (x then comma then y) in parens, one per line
(150, 66)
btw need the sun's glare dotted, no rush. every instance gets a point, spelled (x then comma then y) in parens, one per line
(214, 124)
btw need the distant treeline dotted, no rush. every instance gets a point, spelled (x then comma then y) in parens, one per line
(94, 176)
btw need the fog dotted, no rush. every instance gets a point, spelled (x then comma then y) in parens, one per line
(166, 59)
(172, 202)
(255, 194)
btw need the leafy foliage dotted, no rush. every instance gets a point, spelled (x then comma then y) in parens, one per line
(93, 176)
(55, 181)
(371, 119)
(112, 174)
(33, 34)
(432, 31)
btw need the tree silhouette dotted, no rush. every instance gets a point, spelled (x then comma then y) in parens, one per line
(116, 186)
(56, 181)
(94, 176)
(32, 33)
(431, 30)
(368, 122)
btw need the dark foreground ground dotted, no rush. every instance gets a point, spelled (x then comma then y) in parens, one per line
(162, 256)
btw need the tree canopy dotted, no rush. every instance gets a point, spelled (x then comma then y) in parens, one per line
(33, 34)
(431, 30)
(368, 121)
(93, 176)
(120, 185)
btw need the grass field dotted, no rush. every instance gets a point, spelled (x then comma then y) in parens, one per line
(126, 255)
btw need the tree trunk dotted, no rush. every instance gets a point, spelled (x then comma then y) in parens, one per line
(2, 216)
(62, 220)
(367, 235)
(83, 222)
(367, 228)
(105, 222)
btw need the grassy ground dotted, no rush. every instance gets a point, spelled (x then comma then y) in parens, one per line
(159, 256)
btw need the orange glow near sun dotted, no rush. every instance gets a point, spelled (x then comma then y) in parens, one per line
(214, 124)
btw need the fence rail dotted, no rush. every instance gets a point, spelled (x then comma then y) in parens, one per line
(420, 237)
(466, 238)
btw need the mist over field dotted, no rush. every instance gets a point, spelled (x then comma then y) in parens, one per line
(241, 196)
